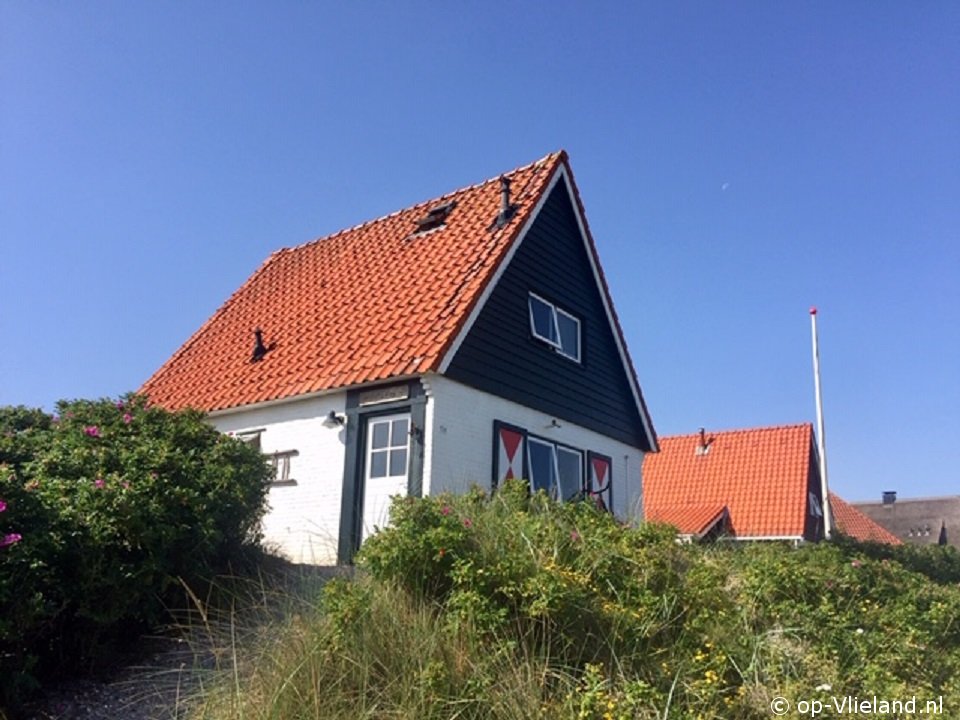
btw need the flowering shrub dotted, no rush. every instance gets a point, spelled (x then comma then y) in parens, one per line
(105, 506)
(649, 628)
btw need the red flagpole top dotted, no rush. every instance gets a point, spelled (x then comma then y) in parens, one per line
(813, 310)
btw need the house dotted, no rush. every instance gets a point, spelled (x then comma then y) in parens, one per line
(756, 484)
(917, 521)
(465, 340)
(848, 520)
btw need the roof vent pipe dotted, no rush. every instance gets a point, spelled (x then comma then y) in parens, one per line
(259, 349)
(506, 209)
(703, 447)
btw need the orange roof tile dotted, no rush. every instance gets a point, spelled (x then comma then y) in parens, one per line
(689, 519)
(853, 523)
(365, 304)
(759, 474)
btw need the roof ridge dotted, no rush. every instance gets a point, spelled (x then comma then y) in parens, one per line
(466, 188)
(740, 431)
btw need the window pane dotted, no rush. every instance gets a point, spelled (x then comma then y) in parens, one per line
(569, 335)
(378, 464)
(399, 435)
(381, 435)
(570, 467)
(542, 319)
(541, 466)
(398, 463)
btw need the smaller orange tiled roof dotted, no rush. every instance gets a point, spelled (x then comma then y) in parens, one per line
(761, 475)
(693, 519)
(853, 523)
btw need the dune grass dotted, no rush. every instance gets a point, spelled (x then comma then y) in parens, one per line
(512, 607)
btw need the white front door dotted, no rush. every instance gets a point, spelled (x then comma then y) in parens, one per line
(387, 463)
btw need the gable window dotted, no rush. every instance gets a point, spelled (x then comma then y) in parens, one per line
(555, 469)
(555, 326)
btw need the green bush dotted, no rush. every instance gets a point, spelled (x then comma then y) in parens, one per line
(105, 506)
(648, 625)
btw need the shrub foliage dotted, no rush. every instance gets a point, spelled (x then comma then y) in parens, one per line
(104, 506)
(515, 607)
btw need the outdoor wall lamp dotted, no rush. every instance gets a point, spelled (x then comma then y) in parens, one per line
(334, 420)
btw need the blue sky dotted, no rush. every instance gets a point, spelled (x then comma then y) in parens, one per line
(739, 162)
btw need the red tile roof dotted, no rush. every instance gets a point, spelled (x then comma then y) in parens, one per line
(365, 304)
(853, 523)
(761, 476)
(690, 519)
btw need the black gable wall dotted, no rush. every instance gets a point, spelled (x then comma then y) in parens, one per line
(500, 355)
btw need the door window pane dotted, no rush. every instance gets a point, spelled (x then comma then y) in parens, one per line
(398, 462)
(378, 464)
(381, 435)
(400, 432)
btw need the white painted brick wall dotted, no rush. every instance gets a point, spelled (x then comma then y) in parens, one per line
(303, 520)
(459, 447)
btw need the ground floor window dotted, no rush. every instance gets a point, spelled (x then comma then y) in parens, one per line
(562, 471)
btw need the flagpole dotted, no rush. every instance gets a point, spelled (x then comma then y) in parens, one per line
(821, 441)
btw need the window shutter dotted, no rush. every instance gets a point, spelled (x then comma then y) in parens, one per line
(509, 452)
(600, 484)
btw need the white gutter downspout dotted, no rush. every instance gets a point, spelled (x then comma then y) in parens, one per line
(821, 441)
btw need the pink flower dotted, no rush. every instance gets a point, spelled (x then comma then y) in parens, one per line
(445, 510)
(126, 486)
(3, 506)
(127, 418)
(120, 405)
(467, 523)
(855, 563)
(574, 535)
(10, 539)
(91, 431)
(99, 483)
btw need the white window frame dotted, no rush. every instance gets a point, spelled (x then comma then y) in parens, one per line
(557, 344)
(390, 447)
(554, 489)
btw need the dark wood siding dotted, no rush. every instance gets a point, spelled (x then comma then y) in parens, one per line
(500, 355)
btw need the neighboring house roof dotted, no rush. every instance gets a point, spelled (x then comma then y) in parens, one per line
(760, 475)
(692, 520)
(918, 521)
(853, 523)
(376, 302)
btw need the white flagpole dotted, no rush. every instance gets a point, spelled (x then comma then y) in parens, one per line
(821, 441)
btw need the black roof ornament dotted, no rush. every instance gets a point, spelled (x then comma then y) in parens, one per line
(259, 348)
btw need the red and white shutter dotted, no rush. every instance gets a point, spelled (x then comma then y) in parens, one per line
(510, 452)
(601, 475)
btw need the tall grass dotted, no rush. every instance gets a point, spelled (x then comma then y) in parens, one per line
(515, 608)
